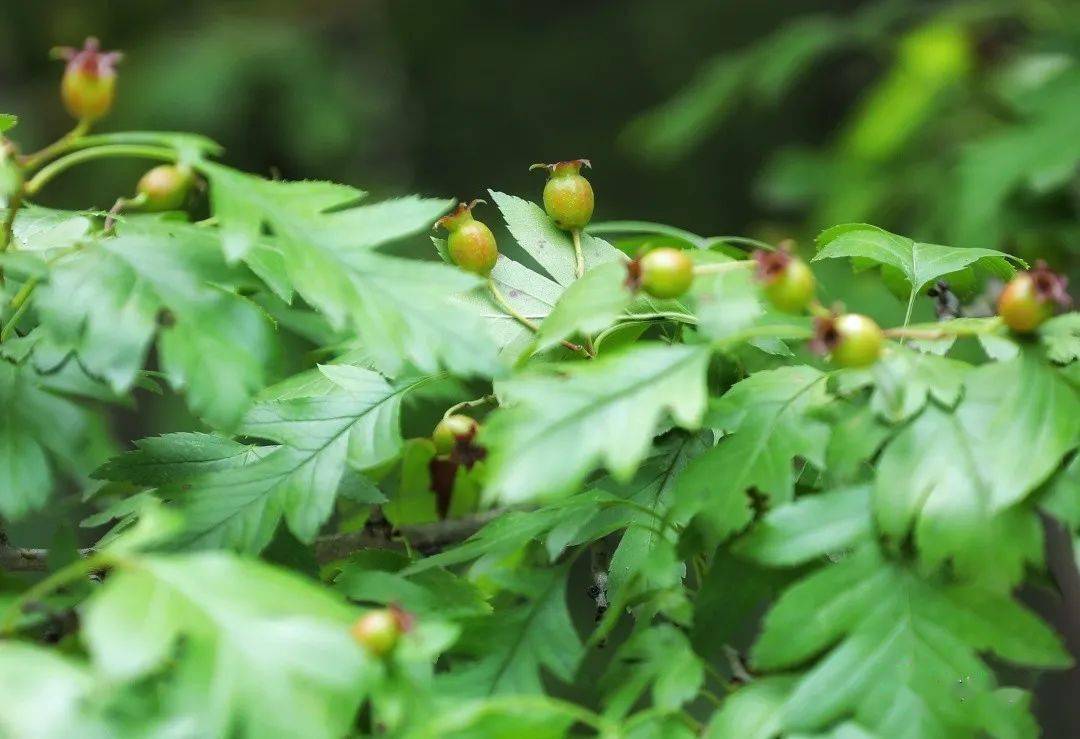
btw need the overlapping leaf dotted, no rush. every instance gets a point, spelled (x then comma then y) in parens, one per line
(106, 302)
(234, 496)
(261, 652)
(401, 309)
(530, 630)
(43, 436)
(953, 477)
(659, 660)
(565, 419)
(768, 422)
(900, 652)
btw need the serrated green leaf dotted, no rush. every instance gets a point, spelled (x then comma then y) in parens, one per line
(263, 652)
(550, 437)
(550, 246)
(920, 263)
(375, 577)
(7, 122)
(104, 302)
(659, 659)
(1062, 499)
(725, 303)
(402, 310)
(952, 477)
(1061, 336)
(904, 380)
(896, 641)
(589, 304)
(769, 424)
(529, 630)
(811, 527)
(33, 454)
(43, 230)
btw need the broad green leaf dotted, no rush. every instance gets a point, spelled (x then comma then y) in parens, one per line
(235, 497)
(753, 711)
(106, 301)
(660, 660)
(7, 122)
(811, 527)
(564, 419)
(953, 478)
(1062, 499)
(261, 652)
(590, 304)
(768, 423)
(44, 695)
(373, 576)
(42, 230)
(402, 310)
(904, 380)
(550, 246)
(43, 436)
(901, 651)
(530, 630)
(499, 717)
(920, 263)
(727, 302)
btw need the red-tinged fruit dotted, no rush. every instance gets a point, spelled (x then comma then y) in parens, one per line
(380, 630)
(452, 431)
(1030, 298)
(471, 244)
(786, 281)
(851, 340)
(165, 187)
(568, 196)
(663, 273)
(88, 87)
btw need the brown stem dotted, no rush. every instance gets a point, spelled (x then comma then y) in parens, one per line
(425, 538)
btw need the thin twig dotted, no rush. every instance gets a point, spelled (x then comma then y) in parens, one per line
(425, 538)
(31, 161)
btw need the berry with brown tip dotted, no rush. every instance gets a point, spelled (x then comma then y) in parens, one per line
(453, 430)
(568, 196)
(851, 339)
(88, 86)
(378, 631)
(470, 243)
(1031, 297)
(787, 281)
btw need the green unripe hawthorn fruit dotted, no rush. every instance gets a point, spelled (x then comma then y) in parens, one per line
(666, 272)
(568, 196)
(165, 187)
(470, 243)
(858, 340)
(88, 86)
(378, 631)
(1030, 298)
(452, 428)
(787, 282)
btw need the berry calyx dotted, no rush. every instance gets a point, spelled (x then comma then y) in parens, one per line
(379, 631)
(787, 281)
(1031, 297)
(88, 86)
(851, 339)
(663, 273)
(470, 243)
(568, 196)
(165, 187)
(453, 431)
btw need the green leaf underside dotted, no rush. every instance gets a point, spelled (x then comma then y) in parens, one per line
(920, 263)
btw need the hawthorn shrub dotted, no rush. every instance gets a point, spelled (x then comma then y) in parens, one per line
(671, 493)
